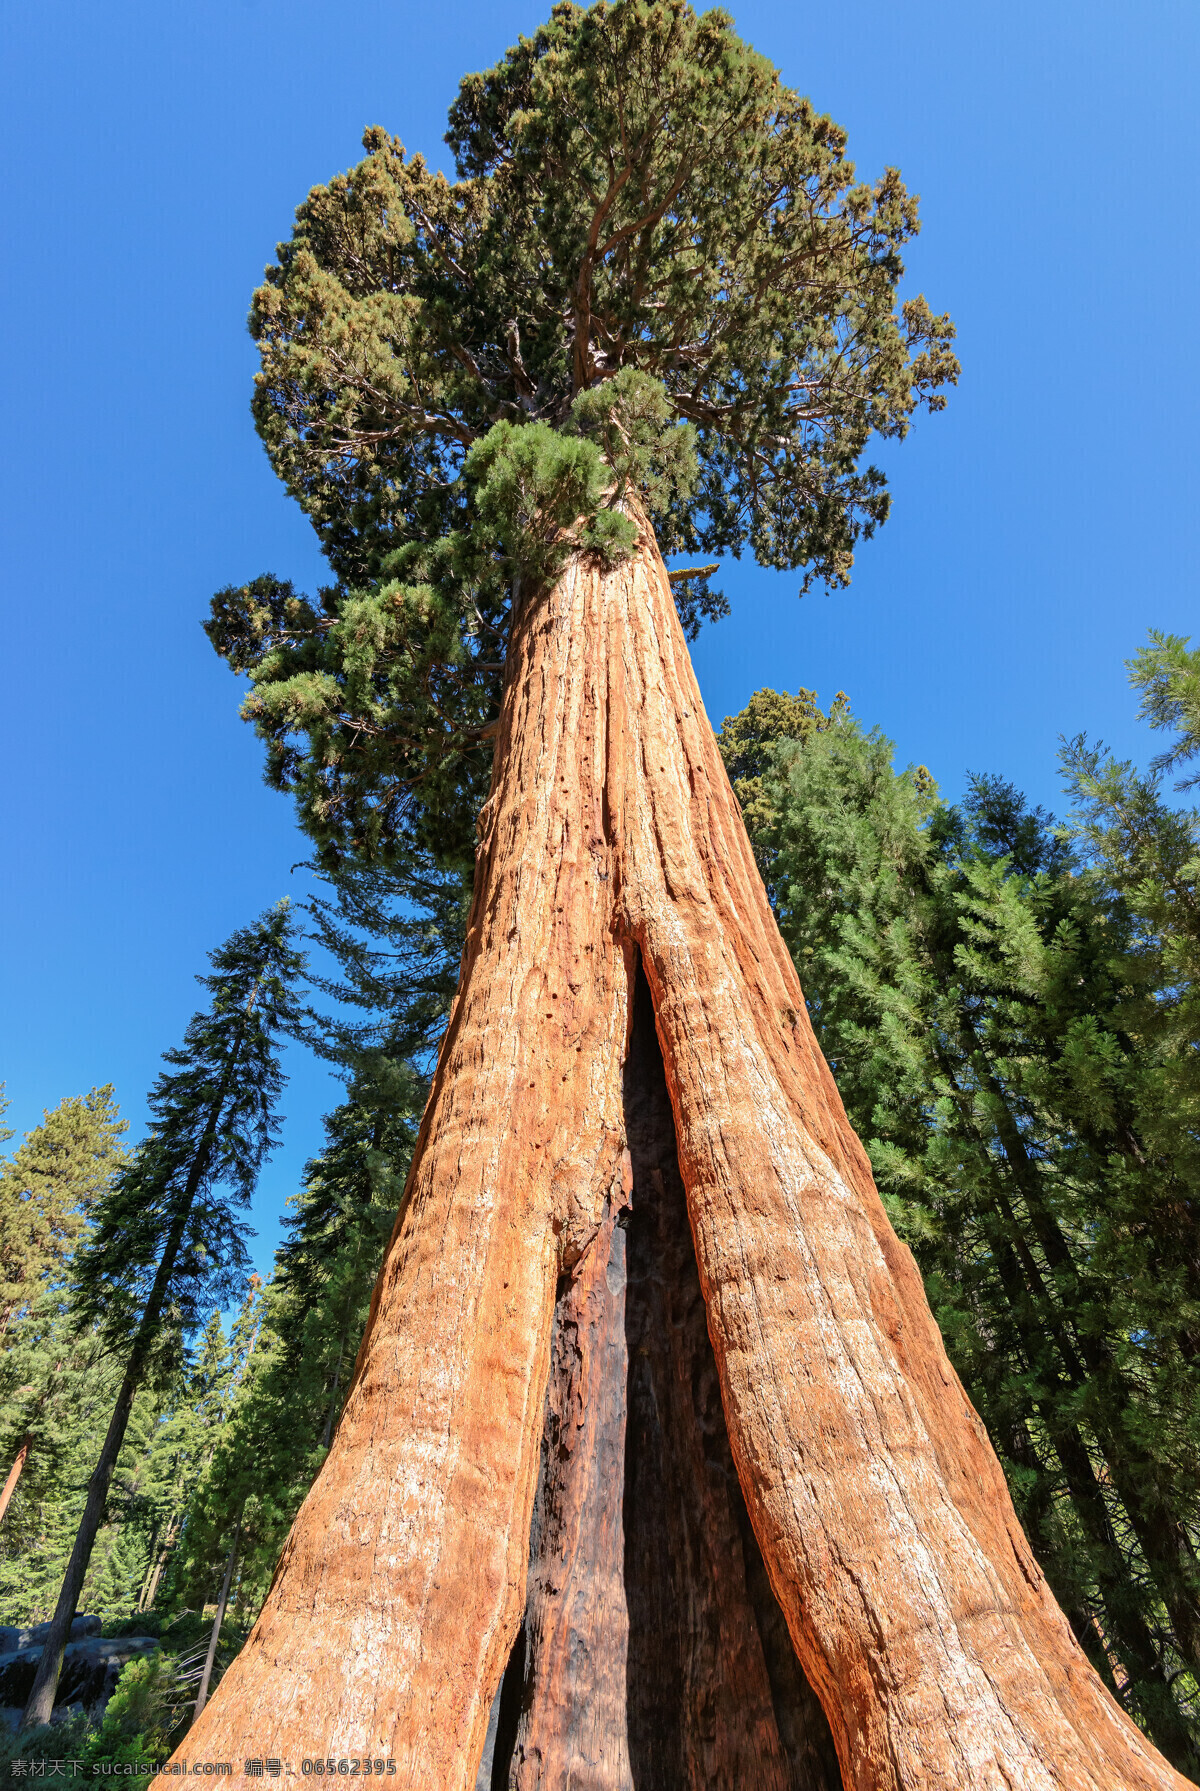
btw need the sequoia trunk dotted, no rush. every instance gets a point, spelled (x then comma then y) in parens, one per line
(835, 1519)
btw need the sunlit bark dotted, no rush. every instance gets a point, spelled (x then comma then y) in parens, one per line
(914, 1605)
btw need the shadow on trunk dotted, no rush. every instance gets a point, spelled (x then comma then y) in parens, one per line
(653, 1655)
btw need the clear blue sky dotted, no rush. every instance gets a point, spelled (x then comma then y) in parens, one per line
(154, 154)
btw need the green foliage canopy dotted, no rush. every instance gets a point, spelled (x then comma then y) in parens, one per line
(1167, 672)
(214, 1119)
(48, 1187)
(654, 251)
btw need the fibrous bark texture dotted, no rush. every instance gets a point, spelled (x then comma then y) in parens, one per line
(826, 1473)
(653, 1654)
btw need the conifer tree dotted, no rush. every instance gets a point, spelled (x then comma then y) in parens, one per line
(286, 1408)
(1167, 672)
(973, 995)
(168, 1232)
(58, 1390)
(47, 1189)
(655, 312)
(206, 1398)
(395, 931)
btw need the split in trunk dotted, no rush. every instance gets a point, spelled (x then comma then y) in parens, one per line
(652, 1651)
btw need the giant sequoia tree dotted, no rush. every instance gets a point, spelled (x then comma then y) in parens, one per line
(654, 1471)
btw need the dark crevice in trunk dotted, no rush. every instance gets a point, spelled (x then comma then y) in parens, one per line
(504, 1721)
(715, 1694)
(803, 1730)
(653, 1655)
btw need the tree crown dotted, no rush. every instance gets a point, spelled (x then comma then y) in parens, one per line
(214, 1119)
(656, 271)
(638, 189)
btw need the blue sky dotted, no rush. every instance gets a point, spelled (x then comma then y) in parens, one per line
(155, 153)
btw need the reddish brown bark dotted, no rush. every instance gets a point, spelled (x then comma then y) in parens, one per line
(912, 1600)
(653, 1653)
(14, 1474)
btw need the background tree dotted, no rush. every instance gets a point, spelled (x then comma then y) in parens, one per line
(395, 932)
(59, 1387)
(49, 1378)
(47, 1189)
(168, 1232)
(972, 992)
(287, 1404)
(184, 1447)
(1167, 673)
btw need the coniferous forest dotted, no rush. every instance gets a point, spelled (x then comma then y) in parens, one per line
(742, 1322)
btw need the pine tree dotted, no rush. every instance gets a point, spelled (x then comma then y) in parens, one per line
(47, 1189)
(58, 1390)
(1167, 672)
(655, 312)
(395, 931)
(970, 991)
(189, 1440)
(168, 1233)
(47, 1378)
(286, 1407)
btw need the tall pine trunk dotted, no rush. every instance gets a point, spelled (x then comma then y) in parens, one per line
(45, 1684)
(658, 1534)
(218, 1620)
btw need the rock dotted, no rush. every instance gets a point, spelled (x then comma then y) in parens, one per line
(91, 1667)
(12, 1641)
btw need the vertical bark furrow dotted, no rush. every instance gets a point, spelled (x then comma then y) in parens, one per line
(642, 1658)
(572, 1729)
(702, 1707)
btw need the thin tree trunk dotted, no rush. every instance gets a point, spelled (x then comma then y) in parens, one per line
(911, 1598)
(1162, 1537)
(14, 1474)
(164, 1555)
(1045, 1534)
(166, 1541)
(1122, 1604)
(1123, 1607)
(214, 1638)
(1023, 1281)
(45, 1684)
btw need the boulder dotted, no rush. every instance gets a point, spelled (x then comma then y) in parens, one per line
(91, 1668)
(12, 1641)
